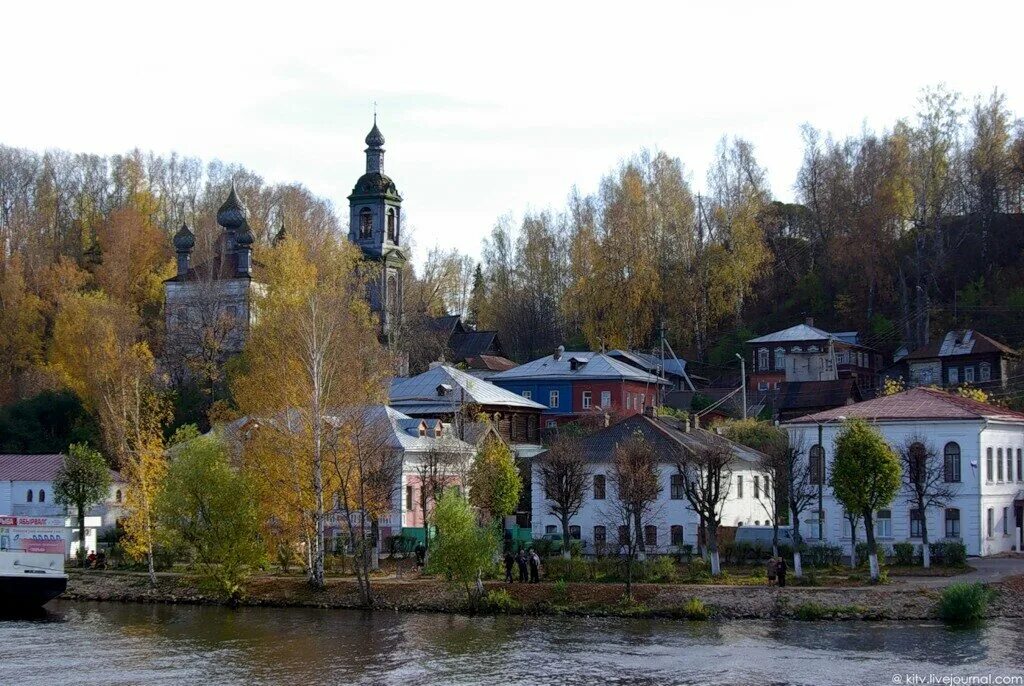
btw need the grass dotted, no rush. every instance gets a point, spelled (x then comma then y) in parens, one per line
(809, 612)
(964, 604)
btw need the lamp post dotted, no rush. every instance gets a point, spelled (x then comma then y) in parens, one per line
(743, 381)
(821, 476)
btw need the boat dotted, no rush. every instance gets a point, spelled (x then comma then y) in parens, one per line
(31, 561)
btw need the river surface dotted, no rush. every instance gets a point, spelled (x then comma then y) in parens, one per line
(109, 643)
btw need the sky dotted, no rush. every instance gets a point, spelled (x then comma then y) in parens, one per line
(487, 108)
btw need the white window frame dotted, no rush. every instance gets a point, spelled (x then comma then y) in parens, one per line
(528, 395)
(606, 399)
(984, 372)
(780, 358)
(553, 398)
(953, 375)
(886, 531)
(587, 398)
(969, 374)
(762, 359)
(551, 424)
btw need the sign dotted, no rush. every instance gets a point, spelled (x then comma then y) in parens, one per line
(33, 534)
(46, 522)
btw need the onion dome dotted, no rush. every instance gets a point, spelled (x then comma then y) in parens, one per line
(232, 214)
(244, 236)
(184, 240)
(375, 138)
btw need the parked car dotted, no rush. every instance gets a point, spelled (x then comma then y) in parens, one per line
(762, 535)
(553, 542)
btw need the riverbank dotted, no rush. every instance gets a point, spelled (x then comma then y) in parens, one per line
(904, 601)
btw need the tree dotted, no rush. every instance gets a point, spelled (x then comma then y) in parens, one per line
(313, 351)
(209, 507)
(707, 478)
(565, 477)
(773, 444)
(494, 482)
(800, 494)
(462, 550)
(865, 477)
(443, 465)
(83, 481)
(636, 485)
(46, 423)
(925, 483)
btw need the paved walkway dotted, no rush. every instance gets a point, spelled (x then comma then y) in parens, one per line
(986, 570)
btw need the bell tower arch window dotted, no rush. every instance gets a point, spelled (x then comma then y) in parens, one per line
(392, 226)
(365, 223)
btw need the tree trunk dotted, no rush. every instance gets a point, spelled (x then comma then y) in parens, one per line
(566, 554)
(798, 567)
(641, 552)
(926, 553)
(775, 537)
(716, 566)
(869, 534)
(82, 554)
(374, 545)
(853, 545)
(152, 567)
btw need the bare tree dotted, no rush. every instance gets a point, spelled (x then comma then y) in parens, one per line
(707, 477)
(636, 485)
(854, 519)
(801, 493)
(565, 476)
(925, 483)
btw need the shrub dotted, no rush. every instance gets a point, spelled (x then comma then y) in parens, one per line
(659, 569)
(862, 553)
(698, 570)
(560, 592)
(574, 569)
(954, 554)
(501, 601)
(810, 578)
(904, 553)
(964, 603)
(685, 552)
(808, 612)
(822, 555)
(694, 608)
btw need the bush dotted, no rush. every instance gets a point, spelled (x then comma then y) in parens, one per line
(685, 552)
(954, 554)
(904, 553)
(694, 608)
(964, 603)
(574, 569)
(822, 555)
(698, 571)
(809, 612)
(862, 553)
(560, 592)
(501, 601)
(659, 569)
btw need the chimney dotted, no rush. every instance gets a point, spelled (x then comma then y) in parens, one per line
(558, 352)
(809, 321)
(687, 428)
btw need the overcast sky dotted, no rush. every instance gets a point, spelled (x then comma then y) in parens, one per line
(485, 110)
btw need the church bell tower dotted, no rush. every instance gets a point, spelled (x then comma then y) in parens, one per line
(375, 225)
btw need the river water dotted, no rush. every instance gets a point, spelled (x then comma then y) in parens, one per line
(108, 643)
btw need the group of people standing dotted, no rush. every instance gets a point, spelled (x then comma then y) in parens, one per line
(528, 563)
(777, 570)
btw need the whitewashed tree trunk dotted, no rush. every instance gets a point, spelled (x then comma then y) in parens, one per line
(798, 566)
(873, 560)
(926, 554)
(716, 567)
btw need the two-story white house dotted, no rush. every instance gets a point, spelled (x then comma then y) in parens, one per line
(26, 490)
(981, 447)
(671, 522)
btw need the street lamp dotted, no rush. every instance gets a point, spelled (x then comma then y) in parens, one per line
(821, 476)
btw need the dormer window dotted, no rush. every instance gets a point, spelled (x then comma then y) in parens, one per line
(437, 430)
(443, 390)
(423, 429)
(365, 223)
(392, 226)
(575, 363)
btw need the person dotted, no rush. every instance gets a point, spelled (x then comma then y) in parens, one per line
(101, 560)
(772, 569)
(421, 555)
(510, 562)
(91, 560)
(534, 566)
(781, 569)
(521, 561)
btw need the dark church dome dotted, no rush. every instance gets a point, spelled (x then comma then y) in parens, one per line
(375, 183)
(232, 214)
(244, 236)
(184, 240)
(375, 138)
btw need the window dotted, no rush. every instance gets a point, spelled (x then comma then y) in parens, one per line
(984, 372)
(739, 485)
(762, 359)
(586, 400)
(1020, 463)
(528, 395)
(574, 532)
(916, 523)
(757, 487)
(817, 465)
(551, 424)
(951, 462)
(651, 536)
(954, 376)
(553, 399)
(676, 534)
(999, 464)
(988, 465)
(780, 358)
(643, 400)
(918, 462)
(606, 399)
(365, 223)
(1006, 521)
(990, 521)
(797, 349)
(847, 528)
(550, 529)
(1009, 464)
(117, 496)
(767, 492)
(952, 523)
(762, 385)
(392, 236)
(883, 524)
(969, 374)
(42, 496)
(623, 534)
(629, 400)
(600, 536)
(408, 498)
(599, 485)
(677, 490)
(28, 496)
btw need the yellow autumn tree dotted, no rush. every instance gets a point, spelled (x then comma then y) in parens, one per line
(312, 353)
(99, 353)
(21, 329)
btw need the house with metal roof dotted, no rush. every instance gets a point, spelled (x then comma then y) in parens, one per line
(961, 356)
(27, 490)
(981, 448)
(573, 384)
(671, 522)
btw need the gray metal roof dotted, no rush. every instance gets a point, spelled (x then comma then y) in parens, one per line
(800, 332)
(595, 366)
(421, 390)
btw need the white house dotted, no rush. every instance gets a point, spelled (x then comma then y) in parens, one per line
(981, 446)
(672, 521)
(26, 490)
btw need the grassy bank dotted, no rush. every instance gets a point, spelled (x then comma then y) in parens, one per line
(596, 599)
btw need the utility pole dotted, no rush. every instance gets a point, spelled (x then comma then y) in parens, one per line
(819, 466)
(743, 381)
